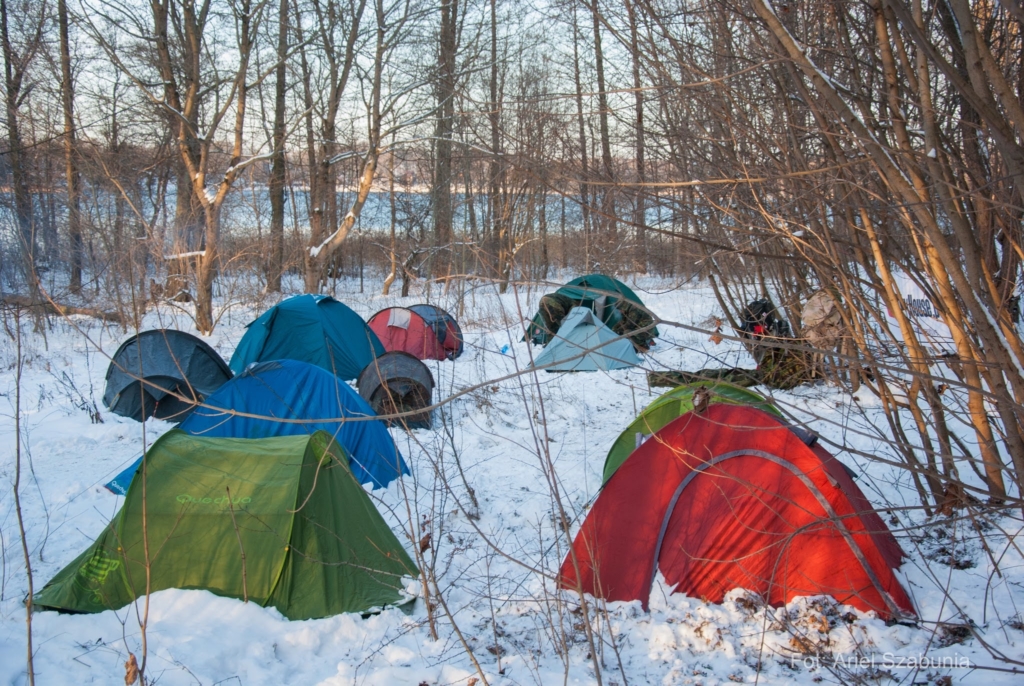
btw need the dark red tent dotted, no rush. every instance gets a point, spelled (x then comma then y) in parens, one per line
(424, 331)
(732, 498)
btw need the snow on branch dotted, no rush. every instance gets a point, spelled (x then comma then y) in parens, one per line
(186, 255)
(349, 219)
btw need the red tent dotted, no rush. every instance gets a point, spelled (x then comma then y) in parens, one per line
(732, 498)
(424, 331)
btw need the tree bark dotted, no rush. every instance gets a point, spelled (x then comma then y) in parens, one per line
(323, 153)
(319, 254)
(639, 209)
(72, 179)
(441, 189)
(275, 263)
(496, 175)
(581, 123)
(15, 66)
(608, 176)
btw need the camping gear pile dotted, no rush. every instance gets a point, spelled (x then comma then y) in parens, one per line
(822, 329)
(258, 494)
(769, 340)
(783, 360)
(592, 323)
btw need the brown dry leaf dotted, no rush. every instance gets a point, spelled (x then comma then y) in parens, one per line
(716, 338)
(472, 681)
(425, 543)
(823, 624)
(701, 400)
(131, 670)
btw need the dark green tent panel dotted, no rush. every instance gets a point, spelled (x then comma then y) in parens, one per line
(314, 545)
(617, 306)
(672, 405)
(595, 285)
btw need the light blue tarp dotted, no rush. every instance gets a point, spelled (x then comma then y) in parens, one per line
(287, 389)
(584, 344)
(311, 328)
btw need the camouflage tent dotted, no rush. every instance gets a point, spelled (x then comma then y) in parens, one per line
(614, 303)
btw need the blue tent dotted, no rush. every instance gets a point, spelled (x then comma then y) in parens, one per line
(312, 328)
(287, 389)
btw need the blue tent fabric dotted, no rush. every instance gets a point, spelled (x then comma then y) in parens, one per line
(584, 344)
(288, 389)
(311, 328)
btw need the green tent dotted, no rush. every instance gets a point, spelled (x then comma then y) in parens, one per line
(594, 286)
(672, 405)
(314, 545)
(612, 301)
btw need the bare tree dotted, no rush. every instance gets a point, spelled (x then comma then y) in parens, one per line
(337, 39)
(275, 263)
(445, 88)
(389, 31)
(17, 61)
(197, 96)
(72, 179)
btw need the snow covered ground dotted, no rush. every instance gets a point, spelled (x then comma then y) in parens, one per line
(494, 558)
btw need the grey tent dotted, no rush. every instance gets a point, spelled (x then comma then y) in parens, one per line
(584, 344)
(398, 382)
(162, 373)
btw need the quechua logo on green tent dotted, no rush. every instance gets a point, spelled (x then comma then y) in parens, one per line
(93, 574)
(223, 501)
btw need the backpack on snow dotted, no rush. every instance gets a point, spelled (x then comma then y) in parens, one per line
(760, 318)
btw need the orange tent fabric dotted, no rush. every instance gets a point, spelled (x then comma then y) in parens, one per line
(732, 498)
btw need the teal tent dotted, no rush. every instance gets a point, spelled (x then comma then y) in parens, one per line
(310, 328)
(584, 344)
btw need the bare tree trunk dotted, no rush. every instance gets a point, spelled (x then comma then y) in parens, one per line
(542, 228)
(275, 263)
(441, 188)
(639, 211)
(393, 249)
(497, 229)
(318, 255)
(323, 148)
(72, 178)
(185, 92)
(581, 122)
(15, 66)
(608, 176)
